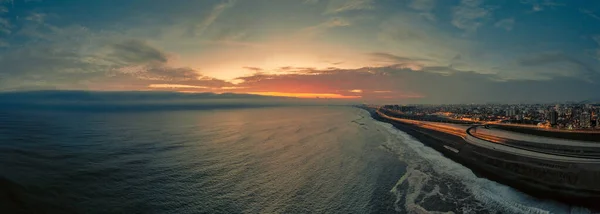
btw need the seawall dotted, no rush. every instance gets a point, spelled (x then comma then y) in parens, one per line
(544, 180)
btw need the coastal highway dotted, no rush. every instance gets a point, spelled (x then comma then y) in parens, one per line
(454, 129)
(509, 148)
(541, 148)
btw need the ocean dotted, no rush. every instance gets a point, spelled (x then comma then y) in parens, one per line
(237, 160)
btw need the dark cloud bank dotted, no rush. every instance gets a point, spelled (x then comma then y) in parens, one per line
(142, 101)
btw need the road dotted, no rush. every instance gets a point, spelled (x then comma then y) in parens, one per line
(541, 148)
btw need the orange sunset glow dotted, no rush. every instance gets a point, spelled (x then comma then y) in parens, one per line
(305, 95)
(410, 51)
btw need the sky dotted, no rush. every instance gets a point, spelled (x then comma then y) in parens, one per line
(374, 51)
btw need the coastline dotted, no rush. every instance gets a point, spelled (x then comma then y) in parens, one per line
(450, 145)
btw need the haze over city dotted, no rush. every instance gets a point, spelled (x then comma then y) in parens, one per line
(378, 51)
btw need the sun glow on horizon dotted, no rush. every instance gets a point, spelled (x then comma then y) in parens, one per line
(304, 95)
(173, 86)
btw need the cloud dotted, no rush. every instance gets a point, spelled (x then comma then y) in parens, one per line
(5, 26)
(176, 86)
(444, 85)
(3, 9)
(571, 66)
(36, 17)
(310, 1)
(158, 76)
(230, 34)
(337, 22)
(540, 5)
(47, 66)
(589, 13)
(322, 27)
(411, 35)
(99, 61)
(339, 6)
(388, 59)
(392, 58)
(506, 24)
(165, 73)
(428, 16)
(470, 15)
(255, 69)
(337, 81)
(596, 52)
(101, 101)
(212, 16)
(422, 5)
(425, 7)
(136, 51)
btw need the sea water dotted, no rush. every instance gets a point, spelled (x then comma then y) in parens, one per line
(240, 160)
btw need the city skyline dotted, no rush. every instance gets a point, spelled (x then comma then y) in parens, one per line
(374, 51)
(573, 116)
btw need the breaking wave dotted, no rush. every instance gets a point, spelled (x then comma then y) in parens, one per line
(435, 184)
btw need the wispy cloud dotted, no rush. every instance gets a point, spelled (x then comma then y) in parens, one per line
(321, 27)
(212, 16)
(506, 24)
(392, 58)
(255, 69)
(384, 83)
(5, 26)
(422, 5)
(205, 45)
(176, 86)
(540, 5)
(388, 59)
(589, 13)
(36, 17)
(568, 66)
(136, 51)
(339, 6)
(421, 41)
(596, 52)
(470, 15)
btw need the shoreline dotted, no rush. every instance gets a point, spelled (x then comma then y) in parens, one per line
(578, 134)
(448, 145)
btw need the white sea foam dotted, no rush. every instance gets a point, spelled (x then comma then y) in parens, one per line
(426, 165)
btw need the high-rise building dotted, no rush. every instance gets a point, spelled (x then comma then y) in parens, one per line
(585, 120)
(553, 117)
(519, 117)
(511, 112)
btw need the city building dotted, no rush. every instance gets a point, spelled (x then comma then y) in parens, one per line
(519, 117)
(585, 120)
(511, 112)
(542, 115)
(553, 117)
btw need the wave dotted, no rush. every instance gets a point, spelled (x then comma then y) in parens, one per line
(435, 184)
